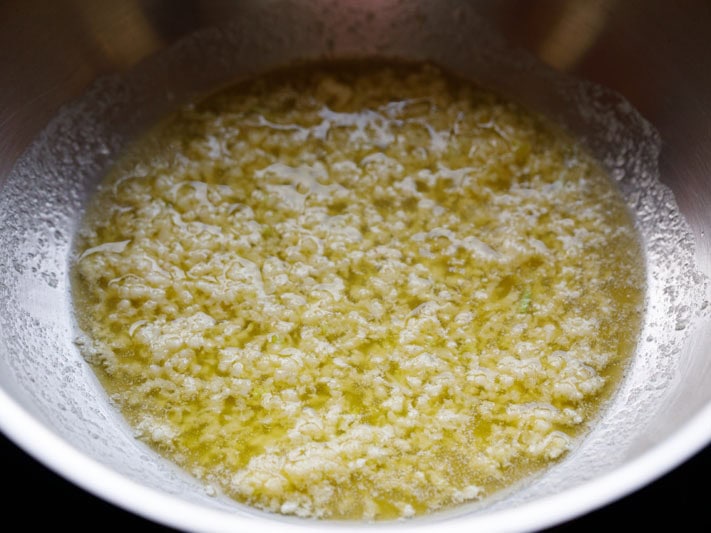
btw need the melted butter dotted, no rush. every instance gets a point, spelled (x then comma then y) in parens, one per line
(360, 291)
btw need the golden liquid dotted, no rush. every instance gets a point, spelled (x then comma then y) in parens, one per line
(358, 290)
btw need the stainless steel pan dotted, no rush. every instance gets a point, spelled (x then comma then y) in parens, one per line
(80, 78)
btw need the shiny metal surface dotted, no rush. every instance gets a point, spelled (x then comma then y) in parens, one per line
(653, 53)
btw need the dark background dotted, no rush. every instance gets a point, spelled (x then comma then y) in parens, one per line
(36, 497)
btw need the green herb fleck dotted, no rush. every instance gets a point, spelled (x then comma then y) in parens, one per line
(525, 301)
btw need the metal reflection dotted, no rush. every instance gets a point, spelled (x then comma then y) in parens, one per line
(575, 29)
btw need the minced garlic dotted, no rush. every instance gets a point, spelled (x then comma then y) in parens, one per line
(358, 291)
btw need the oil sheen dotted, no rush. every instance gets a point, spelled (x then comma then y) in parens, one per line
(358, 291)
